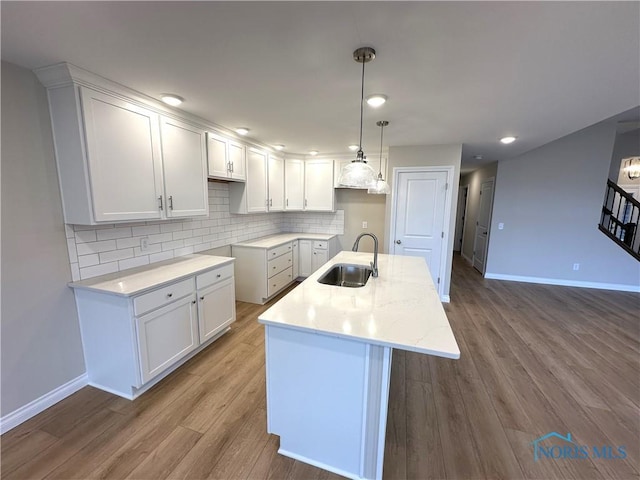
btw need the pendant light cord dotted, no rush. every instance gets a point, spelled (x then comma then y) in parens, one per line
(381, 132)
(361, 108)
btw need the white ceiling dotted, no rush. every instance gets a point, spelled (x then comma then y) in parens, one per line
(454, 72)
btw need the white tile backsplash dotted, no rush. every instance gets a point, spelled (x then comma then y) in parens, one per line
(97, 250)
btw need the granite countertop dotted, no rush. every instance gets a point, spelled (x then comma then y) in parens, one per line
(140, 279)
(280, 238)
(399, 309)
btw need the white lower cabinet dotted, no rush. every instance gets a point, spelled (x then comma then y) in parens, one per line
(215, 311)
(305, 249)
(132, 342)
(166, 335)
(261, 273)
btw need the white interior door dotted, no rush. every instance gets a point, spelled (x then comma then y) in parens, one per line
(482, 226)
(419, 217)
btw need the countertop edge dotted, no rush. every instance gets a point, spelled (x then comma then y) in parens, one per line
(280, 241)
(79, 286)
(370, 341)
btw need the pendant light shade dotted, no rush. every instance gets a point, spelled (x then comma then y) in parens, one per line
(380, 187)
(358, 174)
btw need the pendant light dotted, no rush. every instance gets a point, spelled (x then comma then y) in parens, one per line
(380, 187)
(358, 174)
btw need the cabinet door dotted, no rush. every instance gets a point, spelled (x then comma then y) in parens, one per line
(293, 184)
(217, 156)
(256, 181)
(237, 160)
(318, 185)
(216, 308)
(185, 169)
(296, 260)
(166, 335)
(304, 257)
(276, 184)
(123, 150)
(319, 258)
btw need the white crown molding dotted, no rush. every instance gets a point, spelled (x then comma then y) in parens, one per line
(66, 74)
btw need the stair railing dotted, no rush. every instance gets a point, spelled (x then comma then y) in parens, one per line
(620, 217)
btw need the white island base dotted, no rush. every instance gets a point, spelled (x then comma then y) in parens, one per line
(327, 399)
(328, 360)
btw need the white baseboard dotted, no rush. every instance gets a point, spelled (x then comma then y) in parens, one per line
(31, 409)
(445, 299)
(321, 465)
(565, 283)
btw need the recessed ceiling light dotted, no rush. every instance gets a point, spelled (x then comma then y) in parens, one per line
(279, 147)
(242, 130)
(508, 140)
(171, 99)
(353, 148)
(376, 99)
(313, 152)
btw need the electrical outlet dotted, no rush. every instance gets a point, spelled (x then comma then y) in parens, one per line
(500, 226)
(144, 244)
(576, 266)
(365, 224)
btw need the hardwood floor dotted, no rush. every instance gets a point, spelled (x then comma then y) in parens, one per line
(534, 359)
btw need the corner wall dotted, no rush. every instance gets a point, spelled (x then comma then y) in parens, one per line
(41, 346)
(550, 200)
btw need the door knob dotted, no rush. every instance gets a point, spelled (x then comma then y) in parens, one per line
(398, 242)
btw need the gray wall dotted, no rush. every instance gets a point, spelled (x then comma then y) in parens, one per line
(360, 206)
(474, 180)
(428, 156)
(41, 346)
(550, 201)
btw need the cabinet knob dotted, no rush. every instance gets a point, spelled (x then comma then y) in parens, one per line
(201, 298)
(398, 242)
(169, 295)
(274, 268)
(218, 275)
(193, 302)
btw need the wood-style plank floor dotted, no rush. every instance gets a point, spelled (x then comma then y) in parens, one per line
(534, 359)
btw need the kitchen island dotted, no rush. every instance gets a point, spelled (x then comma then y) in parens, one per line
(328, 360)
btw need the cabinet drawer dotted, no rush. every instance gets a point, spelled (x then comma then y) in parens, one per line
(320, 244)
(162, 296)
(279, 281)
(279, 264)
(279, 250)
(213, 276)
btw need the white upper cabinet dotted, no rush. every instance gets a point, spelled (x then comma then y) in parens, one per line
(120, 156)
(275, 174)
(293, 184)
(318, 185)
(123, 157)
(251, 197)
(225, 158)
(185, 169)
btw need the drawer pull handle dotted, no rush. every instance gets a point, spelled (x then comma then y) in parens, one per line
(201, 298)
(169, 295)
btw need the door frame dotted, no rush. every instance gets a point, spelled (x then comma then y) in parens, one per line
(475, 232)
(461, 188)
(449, 169)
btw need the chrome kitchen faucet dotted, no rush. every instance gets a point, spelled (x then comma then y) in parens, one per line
(374, 264)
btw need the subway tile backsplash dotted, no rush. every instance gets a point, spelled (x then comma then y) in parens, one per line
(98, 250)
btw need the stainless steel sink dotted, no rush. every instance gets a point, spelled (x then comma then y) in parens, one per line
(346, 275)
